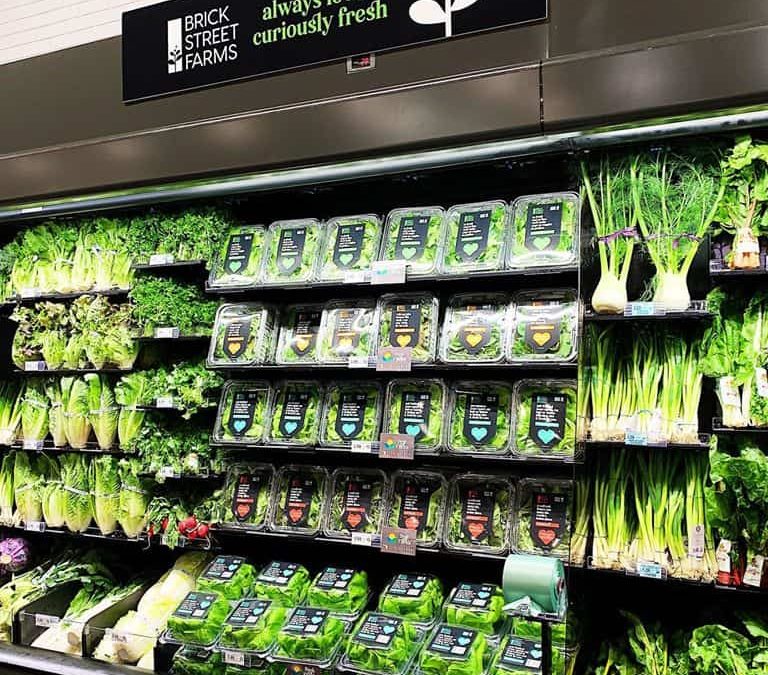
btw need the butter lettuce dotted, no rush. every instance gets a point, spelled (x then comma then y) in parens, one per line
(340, 590)
(381, 643)
(415, 597)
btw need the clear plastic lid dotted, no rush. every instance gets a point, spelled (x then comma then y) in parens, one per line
(242, 415)
(417, 598)
(545, 419)
(285, 583)
(198, 619)
(348, 329)
(476, 238)
(351, 412)
(478, 606)
(543, 520)
(299, 332)
(415, 236)
(357, 503)
(479, 513)
(247, 495)
(243, 335)
(417, 408)
(545, 231)
(312, 636)
(351, 244)
(299, 502)
(381, 644)
(544, 326)
(519, 655)
(448, 646)
(189, 660)
(228, 575)
(343, 591)
(475, 328)
(295, 413)
(417, 502)
(410, 320)
(292, 253)
(481, 418)
(238, 261)
(252, 627)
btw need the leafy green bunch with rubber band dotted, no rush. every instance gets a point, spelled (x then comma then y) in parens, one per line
(253, 625)
(382, 644)
(340, 590)
(545, 414)
(481, 418)
(242, 414)
(415, 597)
(292, 252)
(475, 328)
(410, 321)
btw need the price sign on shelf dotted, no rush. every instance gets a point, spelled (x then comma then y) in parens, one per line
(160, 259)
(396, 446)
(649, 570)
(385, 272)
(33, 366)
(167, 333)
(116, 636)
(643, 309)
(35, 526)
(46, 620)
(234, 658)
(359, 362)
(165, 402)
(361, 539)
(398, 540)
(361, 447)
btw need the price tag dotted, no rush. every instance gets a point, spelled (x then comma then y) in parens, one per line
(167, 333)
(396, 446)
(385, 272)
(357, 277)
(398, 540)
(643, 309)
(697, 543)
(28, 293)
(394, 360)
(753, 575)
(649, 570)
(234, 658)
(723, 556)
(635, 438)
(29, 444)
(159, 259)
(46, 620)
(167, 472)
(31, 209)
(35, 526)
(359, 362)
(165, 402)
(361, 539)
(761, 380)
(33, 366)
(116, 636)
(729, 392)
(362, 447)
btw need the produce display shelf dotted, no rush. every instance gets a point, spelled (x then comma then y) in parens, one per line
(49, 447)
(72, 371)
(720, 271)
(91, 533)
(200, 476)
(703, 444)
(27, 300)
(151, 339)
(719, 428)
(17, 659)
(569, 367)
(697, 312)
(182, 267)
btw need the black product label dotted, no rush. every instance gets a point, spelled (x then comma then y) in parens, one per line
(346, 331)
(472, 238)
(522, 653)
(298, 499)
(548, 519)
(238, 253)
(223, 567)
(191, 653)
(335, 578)
(405, 325)
(414, 505)
(246, 496)
(349, 245)
(480, 418)
(305, 332)
(473, 595)
(351, 415)
(242, 411)
(547, 419)
(306, 621)
(408, 585)
(236, 337)
(294, 412)
(278, 573)
(543, 226)
(290, 250)
(475, 329)
(377, 631)
(543, 327)
(477, 513)
(412, 237)
(248, 612)
(415, 408)
(196, 605)
(358, 495)
(452, 641)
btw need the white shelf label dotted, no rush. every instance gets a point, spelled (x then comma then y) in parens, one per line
(116, 636)
(385, 272)
(159, 259)
(33, 366)
(643, 309)
(649, 570)
(357, 277)
(359, 362)
(46, 620)
(35, 526)
(234, 658)
(362, 447)
(29, 444)
(697, 544)
(165, 402)
(361, 539)
(28, 293)
(167, 332)
(167, 472)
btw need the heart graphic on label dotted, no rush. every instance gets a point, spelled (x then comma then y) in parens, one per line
(354, 519)
(542, 242)
(288, 573)
(242, 510)
(295, 515)
(239, 425)
(546, 536)
(542, 338)
(473, 339)
(471, 247)
(205, 604)
(345, 577)
(546, 435)
(233, 346)
(348, 428)
(302, 344)
(317, 619)
(476, 529)
(409, 252)
(418, 584)
(412, 429)
(388, 630)
(346, 258)
(478, 433)
(483, 595)
(234, 266)
(345, 342)
(463, 641)
(403, 340)
(290, 427)
(536, 653)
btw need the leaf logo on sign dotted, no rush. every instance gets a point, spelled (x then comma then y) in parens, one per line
(428, 12)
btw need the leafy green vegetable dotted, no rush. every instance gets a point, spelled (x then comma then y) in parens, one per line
(189, 384)
(196, 661)
(351, 412)
(517, 649)
(410, 320)
(299, 499)
(246, 495)
(447, 652)
(11, 397)
(544, 326)
(6, 488)
(130, 392)
(545, 230)
(34, 411)
(177, 445)
(476, 238)
(57, 425)
(242, 335)
(415, 236)
(158, 302)
(77, 489)
(242, 632)
(101, 334)
(199, 618)
(479, 513)
(417, 502)
(229, 576)
(382, 644)
(341, 590)
(417, 408)
(544, 517)
(284, 583)
(105, 486)
(293, 247)
(475, 328)
(415, 597)
(74, 399)
(357, 503)
(348, 329)
(29, 476)
(310, 634)
(103, 412)
(242, 416)
(545, 417)
(477, 606)
(351, 243)
(238, 260)
(297, 339)
(717, 650)
(135, 495)
(480, 421)
(296, 413)
(53, 498)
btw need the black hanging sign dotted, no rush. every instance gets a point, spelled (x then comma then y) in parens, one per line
(181, 45)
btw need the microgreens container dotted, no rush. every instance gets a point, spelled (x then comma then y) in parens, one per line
(299, 335)
(243, 335)
(418, 598)
(545, 419)
(543, 517)
(348, 330)
(544, 326)
(476, 606)
(242, 416)
(238, 261)
(300, 496)
(247, 495)
(410, 321)
(475, 328)
(357, 503)
(341, 590)
(351, 413)
(478, 518)
(310, 636)
(351, 244)
(251, 629)
(453, 649)
(481, 418)
(381, 644)
(295, 413)
(292, 251)
(417, 408)
(476, 238)
(417, 502)
(285, 583)
(544, 231)
(415, 237)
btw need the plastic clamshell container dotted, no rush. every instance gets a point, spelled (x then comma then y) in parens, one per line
(543, 517)
(295, 413)
(196, 608)
(300, 495)
(478, 517)
(417, 408)
(351, 412)
(481, 418)
(417, 598)
(253, 622)
(417, 502)
(544, 231)
(191, 660)
(348, 329)
(410, 321)
(351, 244)
(285, 583)
(299, 335)
(33, 618)
(392, 639)
(478, 606)
(357, 503)
(292, 251)
(415, 237)
(545, 419)
(451, 644)
(475, 328)
(248, 491)
(544, 326)
(242, 416)
(301, 629)
(341, 590)
(476, 238)
(238, 262)
(517, 655)
(243, 335)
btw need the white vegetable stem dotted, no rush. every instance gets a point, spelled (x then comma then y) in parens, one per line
(610, 296)
(672, 290)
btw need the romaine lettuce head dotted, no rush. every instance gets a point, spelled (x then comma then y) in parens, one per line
(199, 618)
(410, 320)
(416, 597)
(382, 644)
(310, 635)
(292, 251)
(296, 413)
(417, 408)
(475, 328)
(357, 502)
(476, 238)
(351, 412)
(340, 590)
(284, 583)
(253, 625)
(479, 513)
(417, 502)
(300, 497)
(229, 575)
(545, 413)
(242, 414)
(480, 418)
(453, 650)
(478, 606)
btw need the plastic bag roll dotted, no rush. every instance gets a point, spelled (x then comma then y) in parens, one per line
(536, 577)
